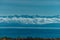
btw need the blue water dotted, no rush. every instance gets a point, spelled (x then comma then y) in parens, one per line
(39, 33)
(35, 33)
(29, 25)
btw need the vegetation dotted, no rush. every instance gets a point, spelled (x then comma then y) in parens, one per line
(6, 38)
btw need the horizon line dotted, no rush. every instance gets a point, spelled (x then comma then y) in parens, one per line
(29, 28)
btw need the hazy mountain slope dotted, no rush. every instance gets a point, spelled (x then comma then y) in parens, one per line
(28, 20)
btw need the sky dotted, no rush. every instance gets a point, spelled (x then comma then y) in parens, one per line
(30, 7)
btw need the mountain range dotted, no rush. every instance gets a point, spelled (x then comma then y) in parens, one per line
(31, 16)
(28, 19)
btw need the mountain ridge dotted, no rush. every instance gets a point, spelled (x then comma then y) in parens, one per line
(26, 19)
(31, 16)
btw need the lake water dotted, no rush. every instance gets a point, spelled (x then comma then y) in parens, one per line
(39, 33)
(35, 31)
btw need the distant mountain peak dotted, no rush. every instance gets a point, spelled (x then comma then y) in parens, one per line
(31, 16)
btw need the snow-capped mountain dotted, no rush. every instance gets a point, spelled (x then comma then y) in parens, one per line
(26, 19)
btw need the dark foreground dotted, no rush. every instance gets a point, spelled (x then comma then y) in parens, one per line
(6, 38)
